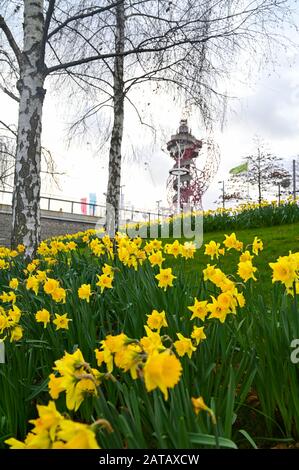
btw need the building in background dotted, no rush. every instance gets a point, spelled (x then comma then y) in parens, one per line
(195, 164)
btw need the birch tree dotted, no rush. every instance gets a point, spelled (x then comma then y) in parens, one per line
(265, 173)
(191, 46)
(8, 139)
(61, 38)
(29, 63)
(115, 154)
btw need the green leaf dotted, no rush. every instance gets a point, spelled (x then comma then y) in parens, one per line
(208, 440)
(249, 439)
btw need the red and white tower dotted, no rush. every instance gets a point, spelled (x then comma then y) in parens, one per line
(188, 181)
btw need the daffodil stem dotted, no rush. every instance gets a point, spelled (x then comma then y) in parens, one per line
(216, 435)
(295, 304)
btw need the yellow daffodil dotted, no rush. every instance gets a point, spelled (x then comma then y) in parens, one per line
(199, 405)
(184, 346)
(71, 246)
(14, 314)
(217, 311)
(41, 275)
(165, 278)
(227, 301)
(199, 309)
(55, 386)
(104, 281)
(52, 430)
(175, 249)
(114, 343)
(156, 320)
(78, 378)
(59, 295)
(73, 435)
(3, 264)
(212, 249)
(152, 342)
(163, 371)
(97, 247)
(231, 242)
(16, 333)
(3, 323)
(198, 334)
(156, 258)
(43, 316)
(32, 283)
(188, 250)
(8, 297)
(61, 322)
(246, 256)
(128, 359)
(156, 244)
(14, 283)
(257, 245)
(51, 285)
(215, 275)
(108, 270)
(84, 292)
(284, 271)
(246, 270)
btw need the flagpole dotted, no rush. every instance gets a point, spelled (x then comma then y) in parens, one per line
(247, 182)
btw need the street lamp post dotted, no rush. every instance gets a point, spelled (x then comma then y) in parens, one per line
(279, 193)
(294, 180)
(223, 193)
(158, 207)
(121, 199)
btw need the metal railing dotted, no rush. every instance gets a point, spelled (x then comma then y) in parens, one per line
(69, 206)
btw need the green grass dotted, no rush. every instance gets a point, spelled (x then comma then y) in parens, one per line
(278, 241)
(247, 357)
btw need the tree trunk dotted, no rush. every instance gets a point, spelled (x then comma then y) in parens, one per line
(113, 189)
(26, 197)
(259, 177)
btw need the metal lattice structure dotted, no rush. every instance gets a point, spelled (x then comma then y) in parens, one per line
(200, 159)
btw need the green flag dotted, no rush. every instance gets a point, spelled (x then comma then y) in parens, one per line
(239, 169)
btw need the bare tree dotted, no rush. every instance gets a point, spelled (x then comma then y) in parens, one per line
(193, 46)
(114, 178)
(61, 36)
(8, 139)
(28, 63)
(7, 155)
(264, 173)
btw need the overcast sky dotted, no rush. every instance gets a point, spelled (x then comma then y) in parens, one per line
(267, 104)
(269, 108)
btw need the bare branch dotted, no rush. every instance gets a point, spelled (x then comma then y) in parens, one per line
(11, 40)
(137, 50)
(81, 16)
(8, 128)
(10, 93)
(142, 122)
(49, 15)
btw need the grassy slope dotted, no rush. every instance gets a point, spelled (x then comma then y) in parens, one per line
(278, 241)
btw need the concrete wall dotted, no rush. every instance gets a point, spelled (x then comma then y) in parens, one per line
(52, 223)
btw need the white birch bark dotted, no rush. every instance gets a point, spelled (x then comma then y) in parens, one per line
(26, 198)
(115, 158)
